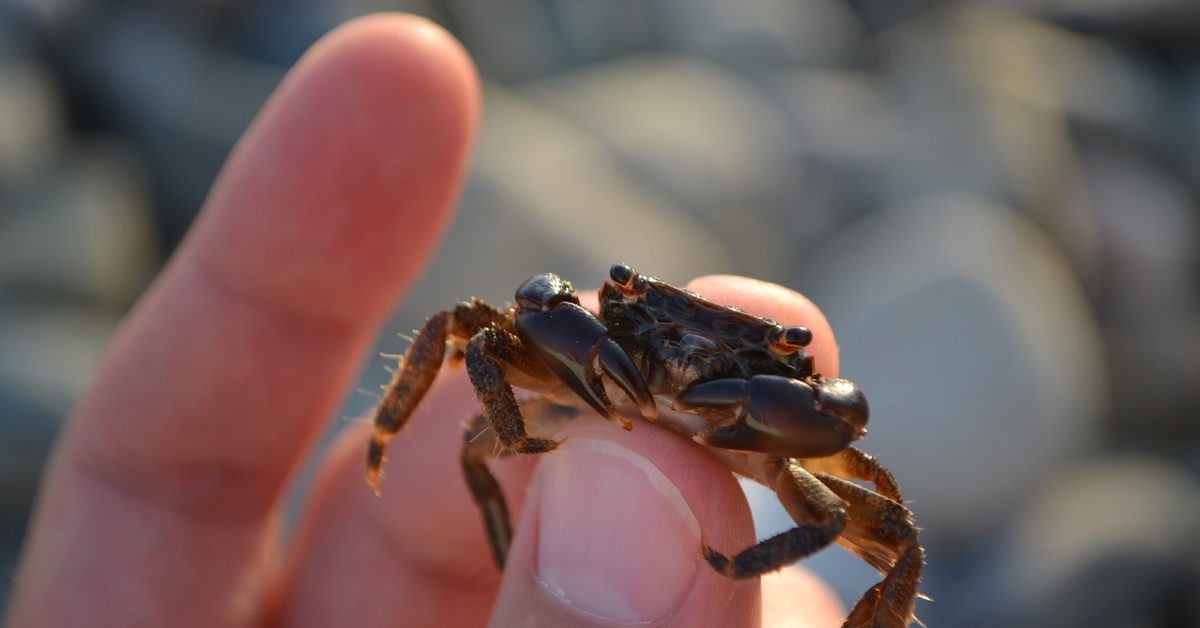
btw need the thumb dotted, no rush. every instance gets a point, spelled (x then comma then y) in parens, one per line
(611, 534)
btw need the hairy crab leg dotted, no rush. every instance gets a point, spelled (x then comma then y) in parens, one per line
(882, 533)
(857, 465)
(419, 367)
(490, 354)
(818, 512)
(481, 444)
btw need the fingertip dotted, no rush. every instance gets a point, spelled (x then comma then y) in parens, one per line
(409, 53)
(796, 596)
(347, 177)
(776, 302)
(613, 529)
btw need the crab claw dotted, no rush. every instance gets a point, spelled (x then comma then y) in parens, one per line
(613, 361)
(779, 415)
(572, 344)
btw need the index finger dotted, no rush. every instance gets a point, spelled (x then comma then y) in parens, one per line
(158, 508)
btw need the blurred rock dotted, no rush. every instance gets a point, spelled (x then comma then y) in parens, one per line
(988, 102)
(1185, 144)
(946, 140)
(1111, 542)
(973, 342)
(83, 228)
(509, 40)
(763, 32)
(839, 115)
(47, 350)
(32, 120)
(599, 30)
(1026, 62)
(1168, 21)
(696, 134)
(154, 78)
(846, 126)
(1150, 223)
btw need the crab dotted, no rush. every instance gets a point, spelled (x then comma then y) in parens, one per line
(733, 382)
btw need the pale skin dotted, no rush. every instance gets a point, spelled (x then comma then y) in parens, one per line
(160, 506)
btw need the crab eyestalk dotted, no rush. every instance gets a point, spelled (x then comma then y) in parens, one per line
(788, 340)
(627, 280)
(781, 416)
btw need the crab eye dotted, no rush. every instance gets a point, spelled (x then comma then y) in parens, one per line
(787, 340)
(622, 274)
(797, 336)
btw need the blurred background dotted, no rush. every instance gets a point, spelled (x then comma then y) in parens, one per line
(995, 202)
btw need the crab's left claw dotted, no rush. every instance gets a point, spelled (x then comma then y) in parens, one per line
(571, 343)
(780, 416)
(615, 363)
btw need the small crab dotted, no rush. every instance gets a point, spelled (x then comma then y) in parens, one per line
(734, 382)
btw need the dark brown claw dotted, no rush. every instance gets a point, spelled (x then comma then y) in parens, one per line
(778, 415)
(572, 344)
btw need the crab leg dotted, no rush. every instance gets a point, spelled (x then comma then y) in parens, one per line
(489, 354)
(818, 511)
(419, 367)
(857, 465)
(881, 532)
(481, 444)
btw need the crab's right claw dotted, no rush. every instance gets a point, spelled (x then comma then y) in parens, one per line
(781, 416)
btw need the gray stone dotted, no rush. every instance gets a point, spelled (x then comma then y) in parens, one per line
(698, 135)
(763, 32)
(83, 228)
(1109, 542)
(1150, 226)
(32, 120)
(182, 101)
(1172, 21)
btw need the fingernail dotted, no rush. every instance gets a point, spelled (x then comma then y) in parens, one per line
(616, 538)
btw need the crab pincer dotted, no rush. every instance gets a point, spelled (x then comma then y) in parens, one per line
(778, 415)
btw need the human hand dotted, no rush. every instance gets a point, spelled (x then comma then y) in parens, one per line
(161, 505)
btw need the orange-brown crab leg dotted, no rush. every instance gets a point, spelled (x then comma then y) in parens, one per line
(881, 532)
(490, 353)
(480, 444)
(873, 526)
(419, 367)
(857, 465)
